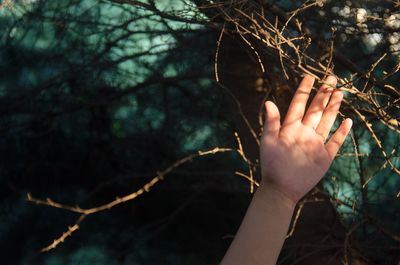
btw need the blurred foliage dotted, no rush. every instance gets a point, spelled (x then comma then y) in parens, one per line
(97, 96)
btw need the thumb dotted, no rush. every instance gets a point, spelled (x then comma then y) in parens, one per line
(272, 119)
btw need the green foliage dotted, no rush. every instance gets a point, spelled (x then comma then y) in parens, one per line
(97, 96)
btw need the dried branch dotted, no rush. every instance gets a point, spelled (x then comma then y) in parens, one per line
(119, 200)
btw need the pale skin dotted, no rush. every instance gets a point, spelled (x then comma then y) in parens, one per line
(294, 156)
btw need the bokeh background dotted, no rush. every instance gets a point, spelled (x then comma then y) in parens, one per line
(96, 97)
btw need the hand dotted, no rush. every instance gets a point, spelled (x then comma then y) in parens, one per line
(294, 155)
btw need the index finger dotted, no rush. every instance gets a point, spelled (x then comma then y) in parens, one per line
(297, 106)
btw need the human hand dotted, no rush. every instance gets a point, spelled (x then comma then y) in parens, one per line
(294, 155)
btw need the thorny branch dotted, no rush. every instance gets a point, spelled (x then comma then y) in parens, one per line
(372, 96)
(276, 38)
(273, 34)
(118, 200)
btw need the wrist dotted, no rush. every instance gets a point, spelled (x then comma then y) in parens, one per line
(270, 192)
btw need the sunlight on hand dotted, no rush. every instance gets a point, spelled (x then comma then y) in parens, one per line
(295, 155)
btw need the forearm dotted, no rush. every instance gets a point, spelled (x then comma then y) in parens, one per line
(263, 230)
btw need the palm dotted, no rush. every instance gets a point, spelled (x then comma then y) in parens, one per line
(294, 156)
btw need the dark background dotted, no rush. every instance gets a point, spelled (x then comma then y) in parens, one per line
(96, 97)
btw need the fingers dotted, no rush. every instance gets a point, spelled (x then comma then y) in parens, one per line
(299, 101)
(272, 119)
(337, 139)
(315, 110)
(329, 116)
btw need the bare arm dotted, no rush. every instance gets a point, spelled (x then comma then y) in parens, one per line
(294, 158)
